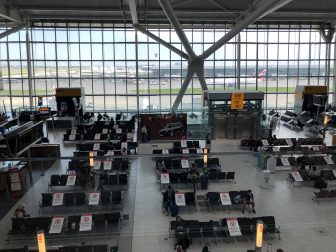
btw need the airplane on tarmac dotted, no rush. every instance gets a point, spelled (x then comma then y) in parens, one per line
(230, 82)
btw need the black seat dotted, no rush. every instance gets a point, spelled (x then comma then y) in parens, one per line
(17, 225)
(213, 198)
(44, 223)
(173, 178)
(112, 179)
(80, 198)
(85, 248)
(105, 197)
(69, 199)
(270, 226)
(230, 176)
(190, 198)
(176, 164)
(123, 178)
(157, 152)
(116, 164)
(103, 248)
(63, 180)
(113, 218)
(167, 163)
(235, 197)
(196, 144)
(245, 226)
(73, 223)
(183, 178)
(190, 144)
(212, 175)
(207, 229)
(194, 229)
(55, 180)
(47, 199)
(215, 161)
(99, 220)
(221, 175)
(124, 164)
(192, 151)
(116, 197)
(83, 179)
(199, 163)
(68, 249)
(31, 224)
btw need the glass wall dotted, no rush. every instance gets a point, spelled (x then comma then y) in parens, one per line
(103, 58)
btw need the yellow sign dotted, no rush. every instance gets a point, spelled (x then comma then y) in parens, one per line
(205, 157)
(91, 159)
(41, 242)
(259, 238)
(237, 100)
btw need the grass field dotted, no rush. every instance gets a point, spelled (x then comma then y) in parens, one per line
(199, 90)
(19, 92)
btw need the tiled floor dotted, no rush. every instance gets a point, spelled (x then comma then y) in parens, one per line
(305, 226)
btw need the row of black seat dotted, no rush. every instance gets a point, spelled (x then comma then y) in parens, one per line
(86, 154)
(82, 248)
(219, 229)
(296, 161)
(182, 177)
(236, 197)
(82, 198)
(61, 179)
(190, 144)
(171, 164)
(71, 223)
(116, 179)
(106, 146)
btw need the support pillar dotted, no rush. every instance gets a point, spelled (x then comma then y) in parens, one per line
(29, 68)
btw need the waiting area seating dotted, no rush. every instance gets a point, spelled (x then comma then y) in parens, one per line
(323, 195)
(225, 200)
(68, 180)
(73, 223)
(73, 248)
(82, 198)
(226, 228)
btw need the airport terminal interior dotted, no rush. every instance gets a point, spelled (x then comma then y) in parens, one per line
(167, 125)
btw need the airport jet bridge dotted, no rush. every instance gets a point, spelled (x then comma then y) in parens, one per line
(233, 114)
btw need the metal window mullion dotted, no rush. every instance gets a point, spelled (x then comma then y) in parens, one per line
(45, 63)
(56, 57)
(93, 93)
(103, 57)
(68, 53)
(288, 53)
(80, 58)
(257, 61)
(298, 56)
(126, 67)
(309, 57)
(114, 66)
(160, 83)
(9, 77)
(21, 69)
(267, 60)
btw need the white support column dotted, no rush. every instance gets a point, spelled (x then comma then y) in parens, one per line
(168, 10)
(185, 84)
(12, 30)
(29, 68)
(161, 41)
(238, 61)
